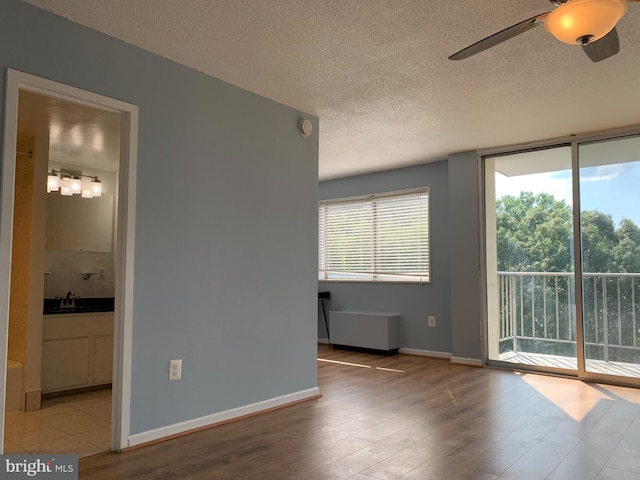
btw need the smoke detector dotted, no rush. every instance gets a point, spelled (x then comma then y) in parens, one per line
(305, 127)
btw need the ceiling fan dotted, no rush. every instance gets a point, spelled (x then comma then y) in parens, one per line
(590, 23)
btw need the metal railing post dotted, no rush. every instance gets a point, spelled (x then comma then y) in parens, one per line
(605, 320)
(633, 312)
(619, 312)
(544, 305)
(514, 323)
(557, 308)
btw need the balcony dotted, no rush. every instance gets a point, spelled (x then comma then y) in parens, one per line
(537, 321)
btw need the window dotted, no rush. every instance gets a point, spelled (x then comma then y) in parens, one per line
(382, 238)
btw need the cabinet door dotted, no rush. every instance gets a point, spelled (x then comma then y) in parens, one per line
(65, 364)
(103, 360)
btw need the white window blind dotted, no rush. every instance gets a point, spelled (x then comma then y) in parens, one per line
(381, 237)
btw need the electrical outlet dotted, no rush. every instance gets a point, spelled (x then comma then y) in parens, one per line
(101, 274)
(175, 369)
(432, 321)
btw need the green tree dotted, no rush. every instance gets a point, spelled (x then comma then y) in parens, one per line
(598, 242)
(626, 252)
(533, 233)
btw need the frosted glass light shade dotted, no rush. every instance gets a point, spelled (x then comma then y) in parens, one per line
(76, 185)
(96, 187)
(65, 187)
(584, 19)
(86, 193)
(65, 183)
(53, 182)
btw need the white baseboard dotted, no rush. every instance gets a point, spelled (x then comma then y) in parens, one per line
(425, 353)
(472, 362)
(323, 341)
(213, 419)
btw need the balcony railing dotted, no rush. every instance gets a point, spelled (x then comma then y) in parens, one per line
(537, 314)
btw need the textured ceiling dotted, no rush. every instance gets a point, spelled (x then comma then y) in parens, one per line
(376, 73)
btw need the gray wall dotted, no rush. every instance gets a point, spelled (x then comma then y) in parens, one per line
(415, 302)
(226, 232)
(464, 235)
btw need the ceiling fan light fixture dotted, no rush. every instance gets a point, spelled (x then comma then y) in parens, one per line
(584, 21)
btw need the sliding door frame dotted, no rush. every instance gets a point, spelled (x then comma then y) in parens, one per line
(577, 259)
(573, 141)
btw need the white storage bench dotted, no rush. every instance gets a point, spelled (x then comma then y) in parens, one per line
(375, 332)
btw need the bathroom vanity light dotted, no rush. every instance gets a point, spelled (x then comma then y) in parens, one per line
(69, 183)
(65, 187)
(96, 187)
(53, 182)
(75, 184)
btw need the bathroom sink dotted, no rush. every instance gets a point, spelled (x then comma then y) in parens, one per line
(53, 306)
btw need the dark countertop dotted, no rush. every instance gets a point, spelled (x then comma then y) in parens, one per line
(52, 306)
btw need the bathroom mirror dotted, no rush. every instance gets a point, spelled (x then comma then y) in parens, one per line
(80, 224)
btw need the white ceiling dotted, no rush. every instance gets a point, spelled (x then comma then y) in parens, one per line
(376, 72)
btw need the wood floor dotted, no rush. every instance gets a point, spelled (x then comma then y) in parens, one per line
(406, 417)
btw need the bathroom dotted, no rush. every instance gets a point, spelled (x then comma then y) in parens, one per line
(63, 279)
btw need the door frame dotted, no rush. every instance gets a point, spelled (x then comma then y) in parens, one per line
(124, 239)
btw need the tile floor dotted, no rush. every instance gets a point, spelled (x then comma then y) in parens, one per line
(77, 423)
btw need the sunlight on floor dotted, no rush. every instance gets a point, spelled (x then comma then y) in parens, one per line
(384, 369)
(390, 370)
(627, 394)
(576, 401)
(344, 363)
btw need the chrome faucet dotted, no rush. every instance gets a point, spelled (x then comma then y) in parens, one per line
(69, 301)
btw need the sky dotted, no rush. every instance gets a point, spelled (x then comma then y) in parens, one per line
(612, 189)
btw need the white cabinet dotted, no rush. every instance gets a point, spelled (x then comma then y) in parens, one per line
(376, 331)
(65, 364)
(103, 360)
(77, 351)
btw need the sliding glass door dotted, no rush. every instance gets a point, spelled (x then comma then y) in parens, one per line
(529, 259)
(609, 173)
(548, 308)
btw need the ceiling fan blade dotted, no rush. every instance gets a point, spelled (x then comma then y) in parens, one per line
(499, 37)
(604, 48)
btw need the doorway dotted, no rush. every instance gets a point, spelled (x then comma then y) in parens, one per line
(563, 258)
(59, 99)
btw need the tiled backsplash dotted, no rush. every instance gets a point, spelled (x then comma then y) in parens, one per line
(64, 272)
